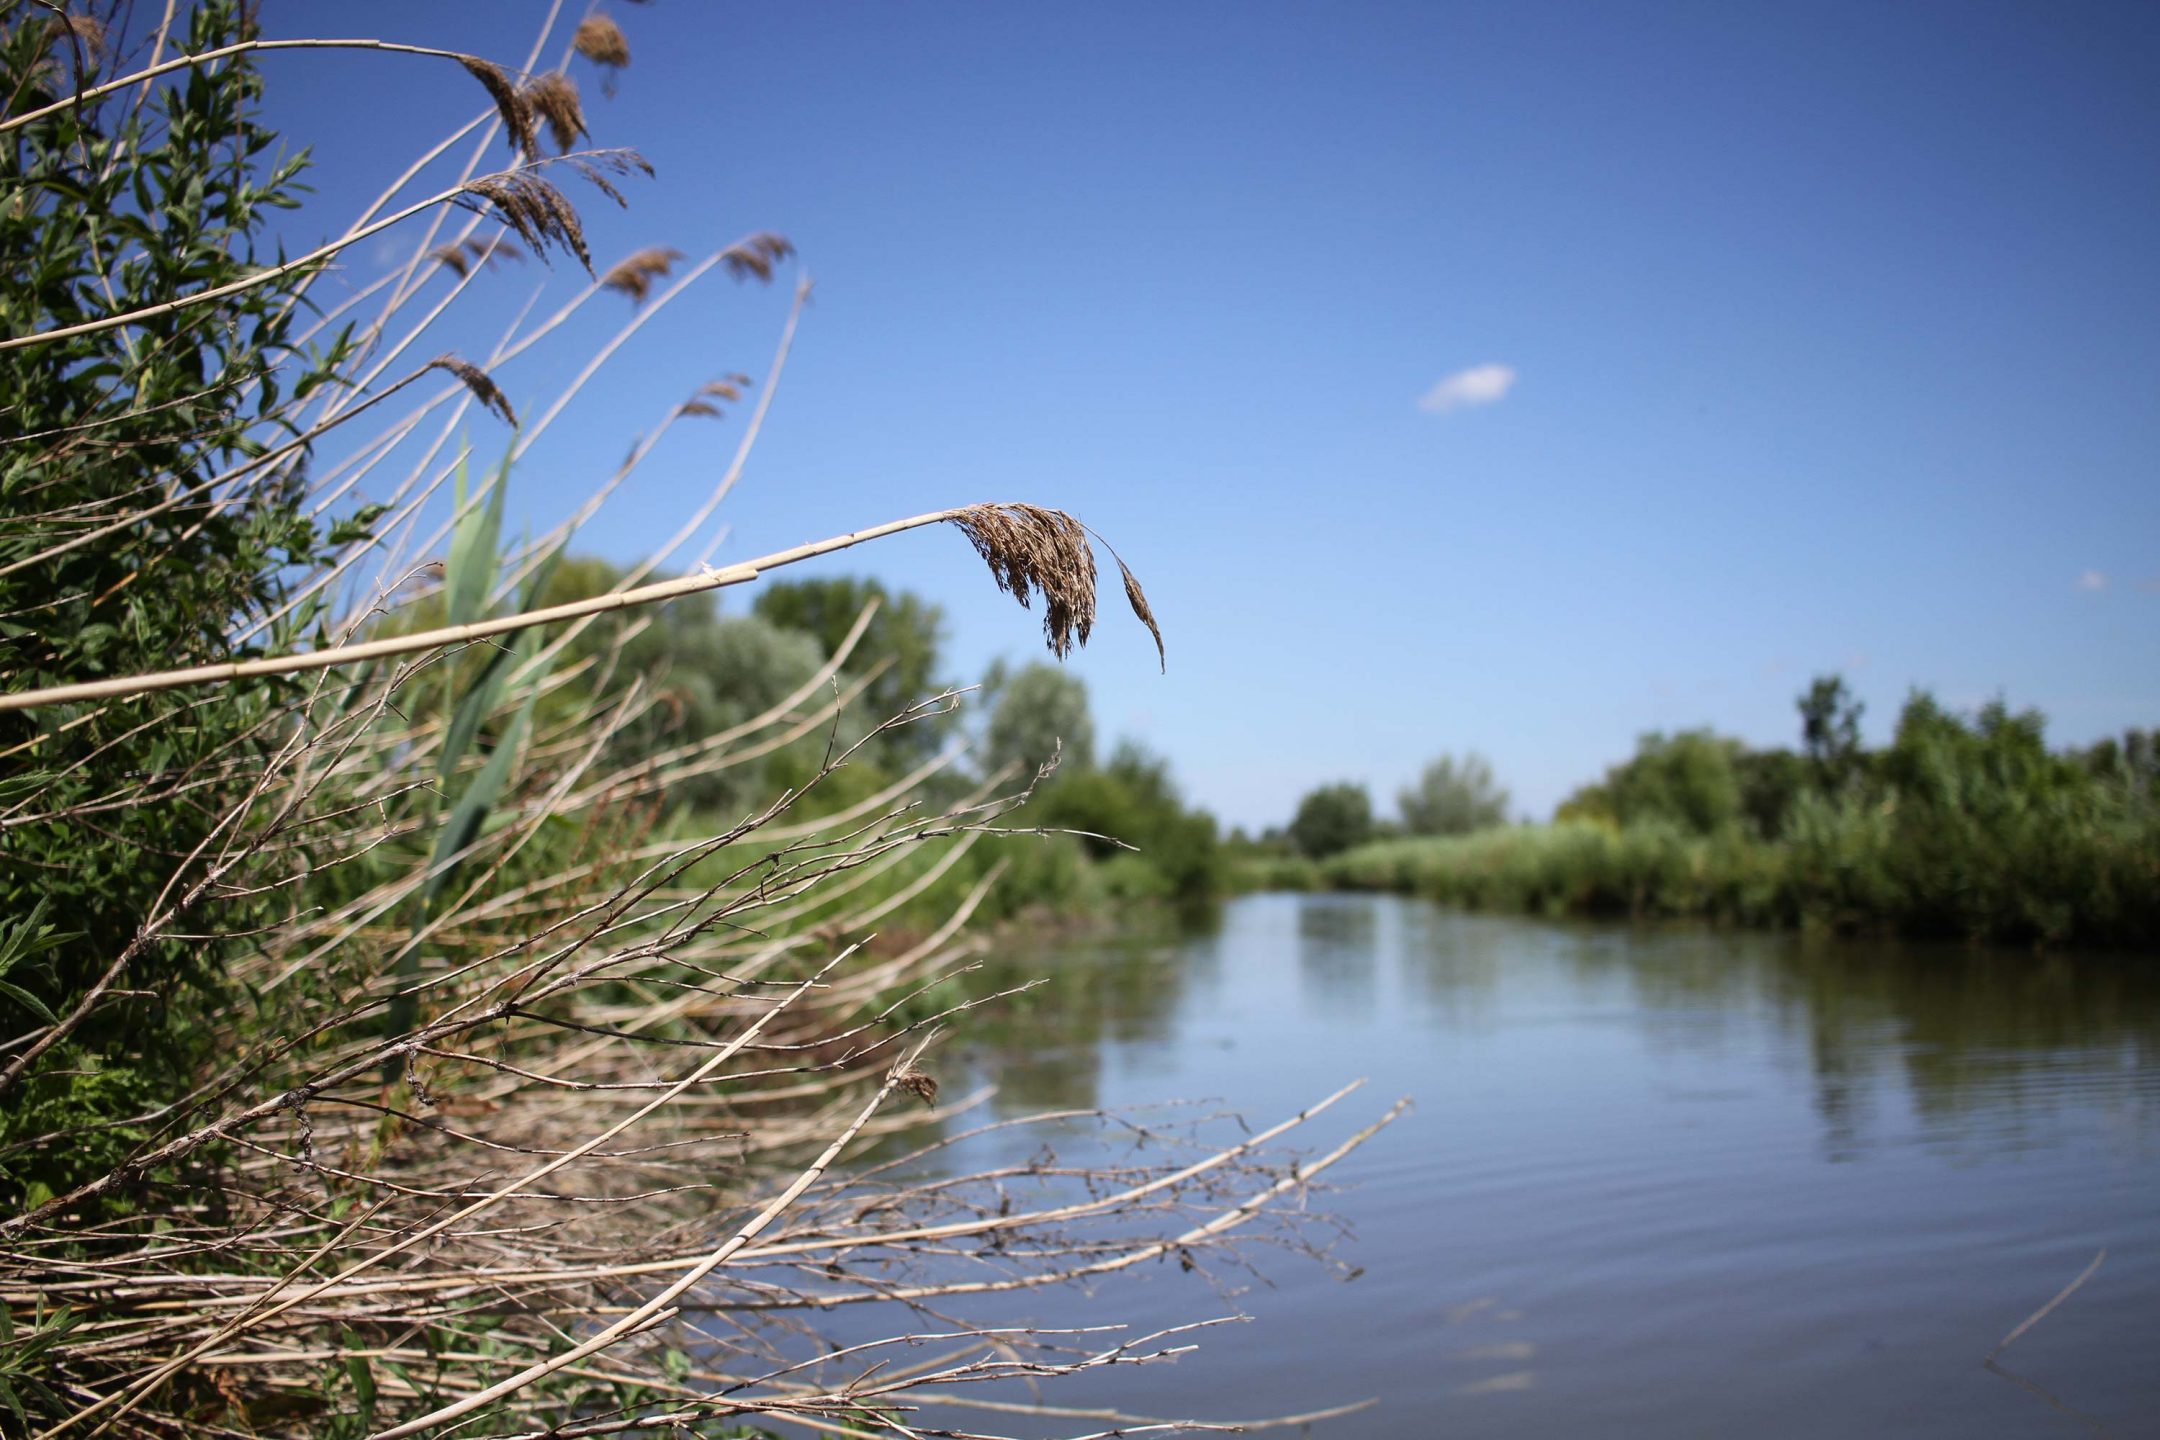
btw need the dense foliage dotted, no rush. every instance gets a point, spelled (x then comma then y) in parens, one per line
(1331, 819)
(1965, 826)
(1453, 797)
(109, 209)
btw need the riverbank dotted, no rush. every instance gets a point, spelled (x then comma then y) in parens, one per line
(2053, 880)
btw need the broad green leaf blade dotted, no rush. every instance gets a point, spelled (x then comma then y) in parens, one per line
(475, 547)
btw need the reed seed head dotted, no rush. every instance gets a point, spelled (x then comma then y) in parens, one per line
(701, 403)
(757, 255)
(920, 1083)
(69, 31)
(461, 255)
(601, 41)
(1032, 550)
(1137, 598)
(482, 385)
(635, 273)
(554, 99)
(519, 122)
(538, 213)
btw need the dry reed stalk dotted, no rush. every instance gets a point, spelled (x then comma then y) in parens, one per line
(1030, 550)
(631, 1036)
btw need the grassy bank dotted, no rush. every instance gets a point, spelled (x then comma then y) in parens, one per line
(2056, 877)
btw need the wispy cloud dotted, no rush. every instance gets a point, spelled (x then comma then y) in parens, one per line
(2093, 580)
(1478, 385)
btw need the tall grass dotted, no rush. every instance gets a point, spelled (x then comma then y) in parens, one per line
(2066, 873)
(488, 1092)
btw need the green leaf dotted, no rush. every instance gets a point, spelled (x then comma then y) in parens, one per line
(474, 555)
(480, 700)
(28, 1001)
(363, 1383)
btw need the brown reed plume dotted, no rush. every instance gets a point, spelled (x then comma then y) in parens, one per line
(85, 31)
(634, 274)
(729, 389)
(1031, 550)
(517, 115)
(1137, 598)
(482, 385)
(757, 255)
(601, 41)
(460, 256)
(539, 213)
(554, 99)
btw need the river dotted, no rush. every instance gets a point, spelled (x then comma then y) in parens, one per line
(1667, 1182)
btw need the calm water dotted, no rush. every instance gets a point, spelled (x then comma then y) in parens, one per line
(1657, 1182)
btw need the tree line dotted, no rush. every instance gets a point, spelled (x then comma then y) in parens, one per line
(1961, 825)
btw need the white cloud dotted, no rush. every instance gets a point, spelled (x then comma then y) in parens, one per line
(1479, 385)
(2093, 580)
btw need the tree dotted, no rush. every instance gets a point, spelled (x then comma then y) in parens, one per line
(1691, 779)
(1830, 728)
(1331, 819)
(1133, 800)
(907, 630)
(111, 208)
(1453, 797)
(1041, 711)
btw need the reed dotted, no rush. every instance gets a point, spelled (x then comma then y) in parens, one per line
(472, 1084)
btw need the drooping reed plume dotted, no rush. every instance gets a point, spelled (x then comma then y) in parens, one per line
(634, 274)
(460, 256)
(554, 99)
(757, 255)
(482, 385)
(518, 120)
(1031, 550)
(730, 389)
(601, 41)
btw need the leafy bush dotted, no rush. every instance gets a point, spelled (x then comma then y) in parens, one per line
(1331, 819)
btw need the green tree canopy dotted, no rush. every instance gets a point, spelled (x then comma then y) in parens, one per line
(1830, 728)
(1040, 711)
(1332, 819)
(1453, 797)
(907, 630)
(1690, 779)
(1134, 800)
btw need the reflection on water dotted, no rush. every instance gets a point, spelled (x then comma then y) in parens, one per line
(1661, 1180)
(1997, 1039)
(1338, 954)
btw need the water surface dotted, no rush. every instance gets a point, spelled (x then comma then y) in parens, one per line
(1658, 1181)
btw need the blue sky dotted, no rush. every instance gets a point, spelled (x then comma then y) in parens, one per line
(1783, 340)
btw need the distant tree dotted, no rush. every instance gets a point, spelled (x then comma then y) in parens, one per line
(2132, 761)
(907, 630)
(1041, 711)
(1134, 800)
(1830, 729)
(1771, 781)
(1691, 779)
(1453, 797)
(1332, 819)
(712, 672)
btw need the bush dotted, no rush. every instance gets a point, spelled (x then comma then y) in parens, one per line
(1332, 819)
